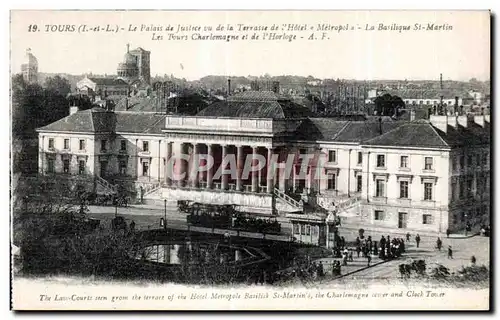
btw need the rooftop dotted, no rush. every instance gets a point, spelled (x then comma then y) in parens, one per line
(256, 104)
(108, 81)
(98, 120)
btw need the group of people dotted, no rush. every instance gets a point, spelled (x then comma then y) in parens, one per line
(391, 248)
(253, 224)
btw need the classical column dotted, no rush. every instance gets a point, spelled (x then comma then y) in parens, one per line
(195, 164)
(224, 177)
(282, 178)
(210, 172)
(254, 173)
(184, 164)
(239, 166)
(270, 171)
(168, 164)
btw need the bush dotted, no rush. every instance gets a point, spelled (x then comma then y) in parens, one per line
(440, 272)
(474, 273)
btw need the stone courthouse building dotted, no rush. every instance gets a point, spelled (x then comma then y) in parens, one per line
(421, 176)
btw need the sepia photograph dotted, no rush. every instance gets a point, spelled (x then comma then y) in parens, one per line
(250, 160)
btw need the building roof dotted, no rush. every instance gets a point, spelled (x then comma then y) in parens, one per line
(108, 81)
(98, 120)
(256, 104)
(331, 129)
(422, 133)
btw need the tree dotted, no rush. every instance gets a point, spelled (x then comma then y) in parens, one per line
(388, 105)
(58, 85)
(34, 106)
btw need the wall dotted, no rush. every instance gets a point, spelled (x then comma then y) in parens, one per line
(415, 206)
(88, 154)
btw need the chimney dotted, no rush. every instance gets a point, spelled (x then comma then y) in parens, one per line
(228, 87)
(380, 125)
(455, 108)
(440, 122)
(74, 105)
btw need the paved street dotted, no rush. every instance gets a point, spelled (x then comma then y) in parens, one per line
(463, 250)
(148, 217)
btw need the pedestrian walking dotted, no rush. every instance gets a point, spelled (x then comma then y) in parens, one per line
(439, 244)
(408, 236)
(369, 258)
(450, 253)
(473, 260)
(358, 250)
(351, 259)
(417, 240)
(448, 233)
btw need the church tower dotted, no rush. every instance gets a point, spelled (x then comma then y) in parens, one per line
(29, 68)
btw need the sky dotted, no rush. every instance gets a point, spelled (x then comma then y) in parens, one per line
(461, 53)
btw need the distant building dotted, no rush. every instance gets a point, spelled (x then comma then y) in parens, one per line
(135, 66)
(102, 88)
(133, 78)
(29, 67)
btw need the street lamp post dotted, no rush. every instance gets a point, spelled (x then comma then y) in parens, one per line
(165, 214)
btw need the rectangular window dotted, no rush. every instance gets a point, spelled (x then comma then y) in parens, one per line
(360, 157)
(359, 180)
(51, 166)
(145, 169)
(81, 167)
(145, 146)
(332, 156)
(66, 165)
(462, 162)
(427, 191)
(379, 215)
(380, 188)
(332, 182)
(51, 143)
(478, 159)
(426, 219)
(81, 144)
(308, 230)
(123, 145)
(454, 164)
(403, 189)
(404, 162)
(428, 163)
(296, 229)
(123, 167)
(380, 161)
(66, 144)
(104, 146)
(303, 229)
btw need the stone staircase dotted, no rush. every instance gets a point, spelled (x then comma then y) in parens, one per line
(151, 190)
(104, 186)
(287, 200)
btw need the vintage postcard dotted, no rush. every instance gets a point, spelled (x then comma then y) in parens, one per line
(250, 160)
